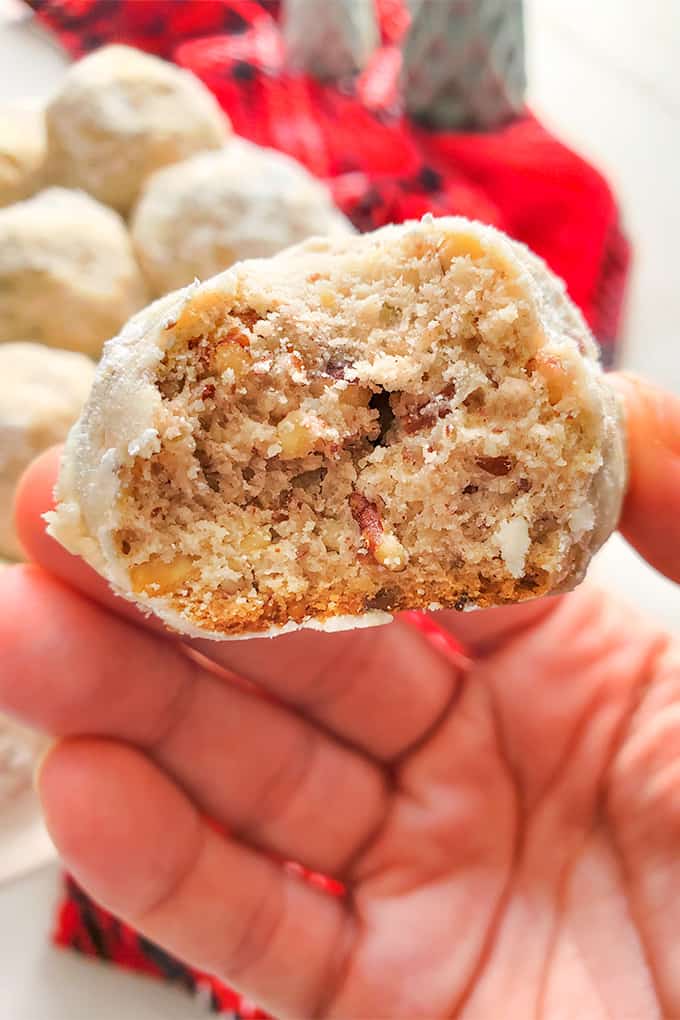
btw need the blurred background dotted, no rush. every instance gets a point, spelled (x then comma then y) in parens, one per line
(601, 78)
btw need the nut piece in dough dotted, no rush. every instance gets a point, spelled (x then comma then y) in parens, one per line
(42, 391)
(22, 152)
(196, 218)
(121, 114)
(257, 457)
(68, 275)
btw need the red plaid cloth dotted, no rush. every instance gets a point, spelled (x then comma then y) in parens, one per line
(380, 168)
(93, 931)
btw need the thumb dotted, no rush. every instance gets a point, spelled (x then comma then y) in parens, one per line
(650, 520)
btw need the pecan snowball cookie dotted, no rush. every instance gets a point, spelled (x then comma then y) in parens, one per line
(121, 114)
(22, 151)
(410, 418)
(68, 274)
(196, 218)
(42, 392)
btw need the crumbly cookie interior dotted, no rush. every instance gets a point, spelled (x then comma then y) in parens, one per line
(390, 431)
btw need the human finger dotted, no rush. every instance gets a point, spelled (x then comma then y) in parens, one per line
(248, 762)
(651, 513)
(201, 895)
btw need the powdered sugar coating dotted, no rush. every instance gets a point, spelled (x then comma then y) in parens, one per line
(119, 115)
(68, 275)
(42, 391)
(196, 218)
(22, 151)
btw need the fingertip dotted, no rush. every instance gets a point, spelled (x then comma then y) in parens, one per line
(18, 584)
(36, 609)
(650, 518)
(34, 496)
(108, 810)
(652, 420)
(64, 783)
(90, 791)
(26, 590)
(35, 490)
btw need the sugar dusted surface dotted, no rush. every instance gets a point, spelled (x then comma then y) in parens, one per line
(22, 151)
(120, 114)
(243, 201)
(68, 274)
(42, 391)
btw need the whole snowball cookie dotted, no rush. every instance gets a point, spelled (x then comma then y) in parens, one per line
(121, 114)
(196, 218)
(42, 391)
(68, 275)
(22, 152)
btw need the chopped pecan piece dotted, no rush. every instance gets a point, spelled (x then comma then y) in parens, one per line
(386, 549)
(233, 334)
(496, 466)
(335, 367)
(248, 316)
(367, 517)
(426, 415)
(383, 599)
(414, 421)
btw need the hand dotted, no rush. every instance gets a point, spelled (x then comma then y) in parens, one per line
(508, 833)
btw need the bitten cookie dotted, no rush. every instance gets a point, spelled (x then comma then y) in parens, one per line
(198, 217)
(410, 418)
(42, 392)
(121, 114)
(68, 275)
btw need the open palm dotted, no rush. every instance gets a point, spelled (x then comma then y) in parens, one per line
(506, 827)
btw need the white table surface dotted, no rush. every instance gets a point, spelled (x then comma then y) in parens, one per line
(606, 76)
